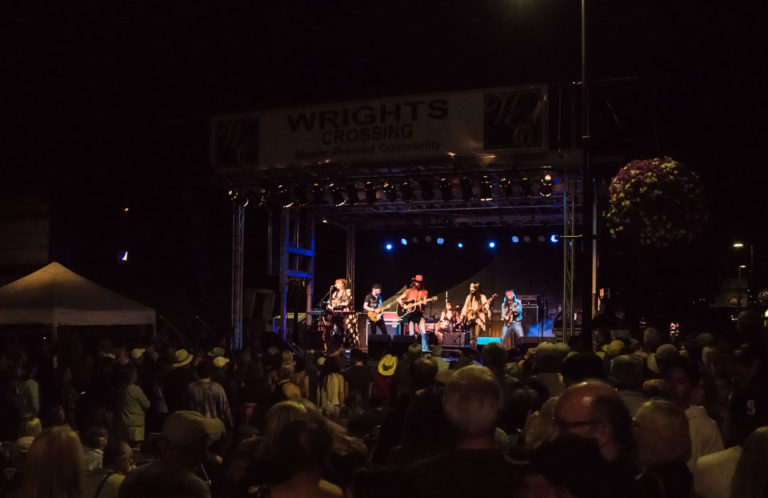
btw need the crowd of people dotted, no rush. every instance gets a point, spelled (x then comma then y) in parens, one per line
(646, 415)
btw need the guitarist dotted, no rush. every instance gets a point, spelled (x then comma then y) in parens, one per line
(415, 292)
(512, 317)
(475, 314)
(374, 304)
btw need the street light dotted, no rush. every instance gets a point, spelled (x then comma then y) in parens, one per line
(741, 245)
(741, 267)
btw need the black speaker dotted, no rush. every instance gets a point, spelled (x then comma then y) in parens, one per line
(453, 339)
(379, 345)
(400, 344)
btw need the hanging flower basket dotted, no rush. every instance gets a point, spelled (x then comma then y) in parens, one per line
(657, 202)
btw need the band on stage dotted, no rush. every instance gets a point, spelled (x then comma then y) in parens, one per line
(463, 325)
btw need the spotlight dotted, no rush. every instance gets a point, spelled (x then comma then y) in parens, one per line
(486, 191)
(541, 238)
(466, 188)
(525, 187)
(260, 197)
(446, 189)
(317, 194)
(370, 192)
(492, 244)
(415, 239)
(440, 241)
(427, 239)
(388, 246)
(526, 238)
(406, 190)
(300, 192)
(506, 186)
(390, 192)
(460, 245)
(403, 241)
(284, 195)
(124, 256)
(352, 193)
(337, 198)
(427, 192)
(232, 193)
(515, 239)
(554, 238)
(546, 186)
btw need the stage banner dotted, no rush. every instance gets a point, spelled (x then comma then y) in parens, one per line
(417, 127)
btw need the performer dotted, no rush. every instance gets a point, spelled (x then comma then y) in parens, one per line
(414, 293)
(343, 317)
(475, 314)
(375, 307)
(512, 318)
(448, 322)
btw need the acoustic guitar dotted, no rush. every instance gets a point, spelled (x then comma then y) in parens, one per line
(411, 305)
(375, 315)
(472, 315)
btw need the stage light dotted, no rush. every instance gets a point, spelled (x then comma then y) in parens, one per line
(415, 239)
(526, 238)
(554, 238)
(446, 189)
(738, 245)
(440, 241)
(370, 192)
(525, 187)
(403, 241)
(388, 246)
(492, 244)
(460, 245)
(427, 239)
(466, 188)
(317, 194)
(427, 192)
(406, 190)
(546, 186)
(336, 196)
(124, 257)
(506, 186)
(126, 210)
(232, 193)
(284, 195)
(352, 194)
(300, 192)
(390, 192)
(541, 238)
(486, 188)
(515, 239)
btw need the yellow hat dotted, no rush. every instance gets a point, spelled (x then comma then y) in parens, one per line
(220, 361)
(183, 357)
(137, 352)
(186, 428)
(217, 351)
(387, 365)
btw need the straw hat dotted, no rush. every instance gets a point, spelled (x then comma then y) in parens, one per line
(220, 361)
(187, 427)
(137, 352)
(182, 358)
(217, 351)
(387, 365)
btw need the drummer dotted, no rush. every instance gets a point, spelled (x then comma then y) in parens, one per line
(449, 319)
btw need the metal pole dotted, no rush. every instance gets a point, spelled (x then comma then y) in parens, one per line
(236, 296)
(587, 211)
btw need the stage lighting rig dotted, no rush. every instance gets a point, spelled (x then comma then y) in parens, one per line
(446, 189)
(427, 192)
(486, 188)
(318, 196)
(526, 189)
(284, 196)
(466, 188)
(336, 195)
(406, 190)
(546, 186)
(390, 192)
(370, 192)
(352, 194)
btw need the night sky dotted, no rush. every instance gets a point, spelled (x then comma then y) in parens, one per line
(108, 104)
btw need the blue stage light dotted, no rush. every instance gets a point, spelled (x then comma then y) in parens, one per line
(492, 244)
(403, 241)
(460, 245)
(554, 238)
(515, 239)
(388, 246)
(440, 241)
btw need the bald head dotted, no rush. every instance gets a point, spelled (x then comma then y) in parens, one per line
(593, 409)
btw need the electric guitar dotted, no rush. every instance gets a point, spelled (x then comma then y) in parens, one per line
(375, 315)
(511, 316)
(472, 315)
(410, 306)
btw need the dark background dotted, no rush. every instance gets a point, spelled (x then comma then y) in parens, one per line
(107, 105)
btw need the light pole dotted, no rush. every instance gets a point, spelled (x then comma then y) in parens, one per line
(740, 245)
(588, 240)
(741, 267)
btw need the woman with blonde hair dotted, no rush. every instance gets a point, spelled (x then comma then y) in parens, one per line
(751, 479)
(663, 448)
(54, 466)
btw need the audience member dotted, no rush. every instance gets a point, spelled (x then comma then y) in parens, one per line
(54, 466)
(750, 480)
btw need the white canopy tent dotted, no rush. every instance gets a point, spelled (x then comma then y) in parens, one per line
(55, 296)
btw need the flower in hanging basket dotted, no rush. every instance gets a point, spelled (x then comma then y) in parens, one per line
(658, 202)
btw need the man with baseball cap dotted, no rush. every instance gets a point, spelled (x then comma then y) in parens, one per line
(183, 449)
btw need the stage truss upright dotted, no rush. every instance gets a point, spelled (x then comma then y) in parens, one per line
(238, 236)
(297, 258)
(569, 254)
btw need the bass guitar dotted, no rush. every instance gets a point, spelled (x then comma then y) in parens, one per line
(410, 306)
(472, 315)
(375, 315)
(511, 316)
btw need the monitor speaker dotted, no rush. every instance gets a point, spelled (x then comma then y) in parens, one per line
(379, 345)
(400, 344)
